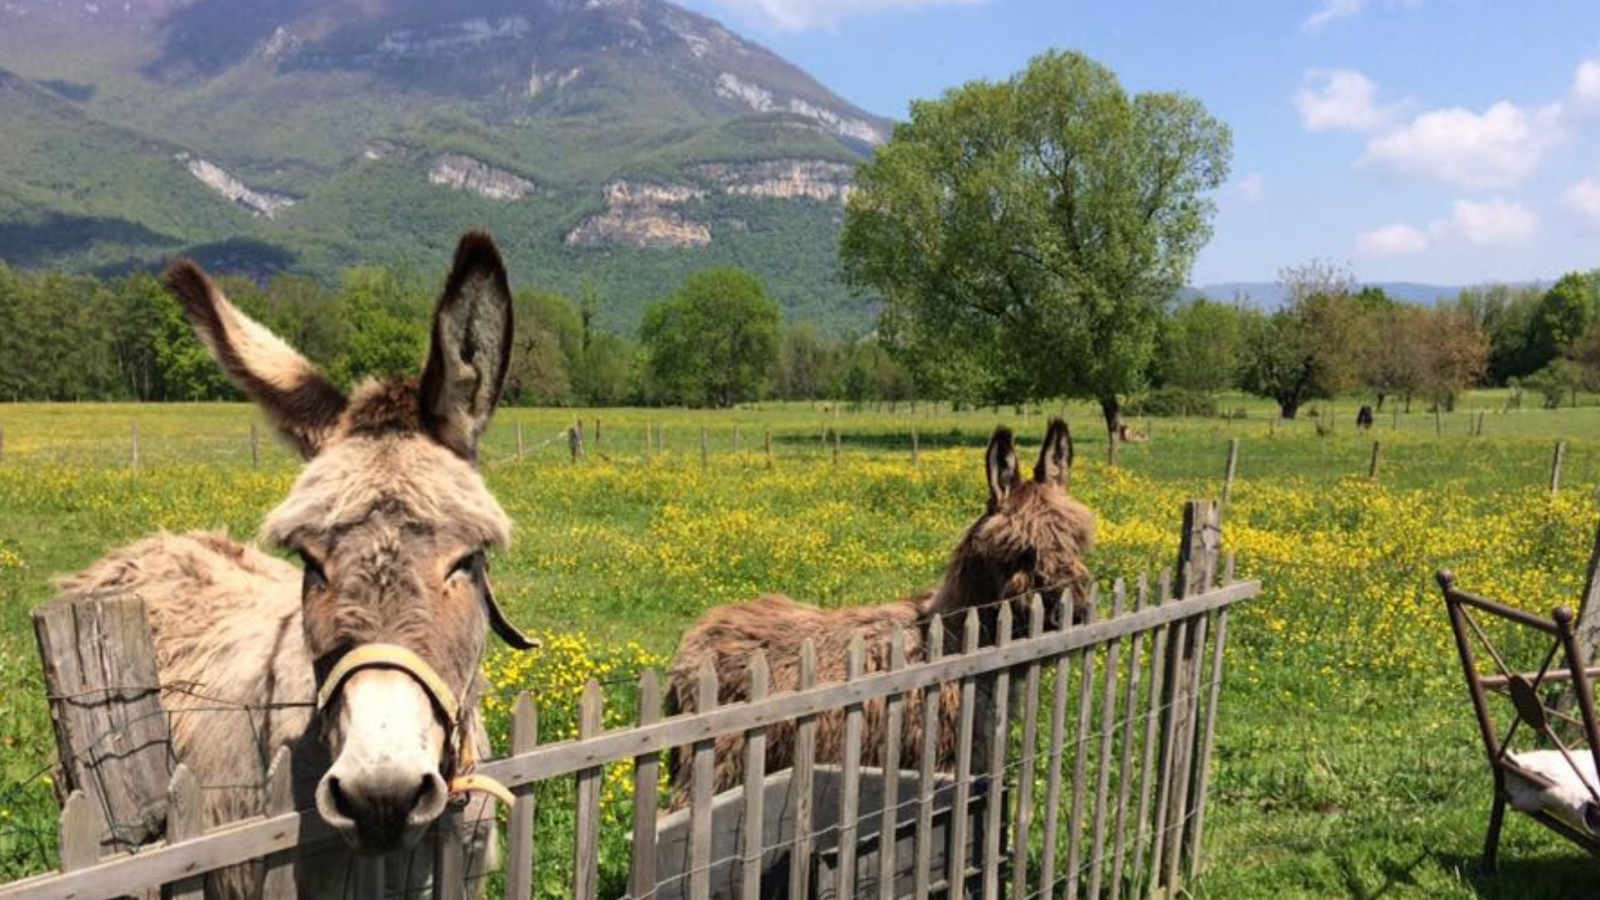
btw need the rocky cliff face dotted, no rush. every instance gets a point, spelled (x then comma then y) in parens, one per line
(639, 214)
(784, 179)
(260, 203)
(462, 172)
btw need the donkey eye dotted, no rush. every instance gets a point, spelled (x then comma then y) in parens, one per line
(315, 577)
(466, 565)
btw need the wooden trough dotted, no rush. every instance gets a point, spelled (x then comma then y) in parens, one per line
(729, 834)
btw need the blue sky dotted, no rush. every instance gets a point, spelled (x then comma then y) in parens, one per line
(1446, 141)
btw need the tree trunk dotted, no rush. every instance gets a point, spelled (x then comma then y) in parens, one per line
(1381, 397)
(1288, 409)
(1112, 410)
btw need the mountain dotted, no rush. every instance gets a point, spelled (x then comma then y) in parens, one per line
(1270, 294)
(610, 145)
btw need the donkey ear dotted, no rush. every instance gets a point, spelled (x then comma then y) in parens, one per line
(471, 347)
(1001, 462)
(1055, 457)
(302, 402)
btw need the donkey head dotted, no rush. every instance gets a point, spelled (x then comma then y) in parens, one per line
(391, 521)
(1031, 538)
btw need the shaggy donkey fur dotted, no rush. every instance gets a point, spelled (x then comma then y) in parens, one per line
(391, 519)
(1032, 537)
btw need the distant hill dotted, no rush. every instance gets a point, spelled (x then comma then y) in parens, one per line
(610, 144)
(1270, 294)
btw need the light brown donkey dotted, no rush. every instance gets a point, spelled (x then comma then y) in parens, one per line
(364, 660)
(1031, 537)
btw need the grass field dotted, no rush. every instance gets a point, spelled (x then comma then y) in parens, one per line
(1347, 762)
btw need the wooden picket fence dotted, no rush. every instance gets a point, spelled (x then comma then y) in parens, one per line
(1089, 780)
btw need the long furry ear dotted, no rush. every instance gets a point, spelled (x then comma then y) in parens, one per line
(471, 348)
(1000, 463)
(303, 404)
(1055, 457)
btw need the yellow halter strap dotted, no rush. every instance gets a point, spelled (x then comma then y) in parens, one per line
(394, 656)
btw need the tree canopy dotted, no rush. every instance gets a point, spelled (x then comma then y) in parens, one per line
(714, 342)
(1028, 235)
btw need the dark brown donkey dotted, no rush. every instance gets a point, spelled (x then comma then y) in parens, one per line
(1031, 537)
(364, 660)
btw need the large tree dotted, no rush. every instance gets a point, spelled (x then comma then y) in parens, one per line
(1315, 345)
(714, 342)
(1027, 235)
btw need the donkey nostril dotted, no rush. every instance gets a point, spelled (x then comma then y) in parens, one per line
(341, 802)
(429, 800)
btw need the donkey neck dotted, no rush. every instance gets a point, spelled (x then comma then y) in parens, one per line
(968, 584)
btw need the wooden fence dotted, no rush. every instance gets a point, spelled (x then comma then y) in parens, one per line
(1088, 780)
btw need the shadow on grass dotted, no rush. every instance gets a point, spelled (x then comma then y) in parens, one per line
(1542, 878)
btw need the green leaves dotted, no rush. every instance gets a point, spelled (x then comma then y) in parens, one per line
(714, 342)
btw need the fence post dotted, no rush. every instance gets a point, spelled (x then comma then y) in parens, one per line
(575, 440)
(135, 437)
(704, 452)
(519, 440)
(586, 817)
(255, 446)
(279, 881)
(767, 439)
(1197, 566)
(836, 446)
(1233, 464)
(915, 462)
(1372, 467)
(597, 434)
(110, 726)
(519, 829)
(1555, 467)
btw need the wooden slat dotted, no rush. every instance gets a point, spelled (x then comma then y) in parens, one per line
(894, 720)
(1152, 716)
(1028, 764)
(1108, 731)
(702, 788)
(586, 822)
(1087, 664)
(805, 755)
(646, 803)
(850, 792)
(1197, 568)
(110, 725)
(278, 883)
(955, 873)
(995, 771)
(78, 832)
(1130, 708)
(553, 760)
(185, 820)
(1171, 712)
(933, 649)
(520, 841)
(449, 856)
(1052, 801)
(1189, 727)
(1208, 736)
(755, 773)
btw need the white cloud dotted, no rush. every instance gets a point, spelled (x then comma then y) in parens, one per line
(1584, 197)
(1496, 148)
(1252, 186)
(1586, 83)
(1334, 10)
(1493, 222)
(1391, 240)
(1340, 99)
(801, 15)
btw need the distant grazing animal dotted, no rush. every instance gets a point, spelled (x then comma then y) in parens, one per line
(1364, 417)
(1032, 537)
(1131, 435)
(365, 660)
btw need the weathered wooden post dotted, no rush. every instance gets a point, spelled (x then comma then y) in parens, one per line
(519, 440)
(767, 440)
(135, 435)
(916, 463)
(110, 726)
(575, 440)
(705, 452)
(835, 446)
(597, 434)
(255, 446)
(519, 828)
(1233, 465)
(1372, 467)
(1555, 467)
